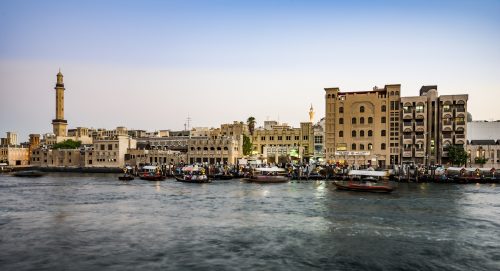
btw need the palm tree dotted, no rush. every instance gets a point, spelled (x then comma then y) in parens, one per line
(251, 124)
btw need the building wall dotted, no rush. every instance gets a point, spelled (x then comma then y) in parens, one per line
(14, 155)
(491, 152)
(274, 135)
(56, 157)
(219, 150)
(362, 128)
(135, 157)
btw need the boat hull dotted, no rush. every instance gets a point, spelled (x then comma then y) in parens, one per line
(125, 178)
(267, 179)
(180, 179)
(364, 188)
(153, 178)
(28, 174)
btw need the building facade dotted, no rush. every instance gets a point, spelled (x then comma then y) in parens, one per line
(362, 128)
(275, 137)
(430, 123)
(222, 150)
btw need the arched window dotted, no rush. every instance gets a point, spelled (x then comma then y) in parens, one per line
(384, 108)
(341, 120)
(382, 133)
(353, 133)
(353, 146)
(341, 133)
(382, 146)
(361, 120)
(361, 133)
(212, 148)
(199, 148)
(362, 109)
(205, 148)
(225, 148)
(341, 109)
(370, 120)
(361, 146)
(370, 133)
(353, 120)
(218, 148)
(370, 146)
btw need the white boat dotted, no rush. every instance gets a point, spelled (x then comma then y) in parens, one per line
(268, 175)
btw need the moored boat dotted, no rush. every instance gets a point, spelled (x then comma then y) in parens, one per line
(367, 182)
(151, 173)
(268, 175)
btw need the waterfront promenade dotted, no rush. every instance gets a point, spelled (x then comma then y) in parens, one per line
(67, 221)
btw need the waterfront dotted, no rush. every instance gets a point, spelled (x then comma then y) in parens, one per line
(93, 221)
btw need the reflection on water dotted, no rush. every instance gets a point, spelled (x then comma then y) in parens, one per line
(82, 222)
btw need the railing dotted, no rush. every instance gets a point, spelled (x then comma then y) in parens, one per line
(460, 136)
(406, 123)
(407, 137)
(460, 122)
(447, 123)
(420, 124)
(419, 136)
(446, 135)
(460, 109)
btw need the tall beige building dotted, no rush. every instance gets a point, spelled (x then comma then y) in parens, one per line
(59, 124)
(430, 123)
(362, 128)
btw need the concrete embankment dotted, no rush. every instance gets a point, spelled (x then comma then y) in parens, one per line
(69, 169)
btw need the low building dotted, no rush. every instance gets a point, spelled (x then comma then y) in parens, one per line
(222, 150)
(12, 153)
(139, 157)
(43, 157)
(109, 152)
(484, 153)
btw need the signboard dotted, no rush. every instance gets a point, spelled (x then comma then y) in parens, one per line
(352, 153)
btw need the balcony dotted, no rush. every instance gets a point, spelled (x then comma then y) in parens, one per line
(419, 153)
(407, 115)
(422, 136)
(460, 109)
(460, 136)
(446, 135)
(406, 153)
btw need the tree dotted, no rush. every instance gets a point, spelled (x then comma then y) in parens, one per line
(247, 145)
(251, 124)
(67, 144)
(457, 155)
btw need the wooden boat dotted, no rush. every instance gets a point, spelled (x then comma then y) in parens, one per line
(268, 175)
(187, 180)
(28, 173)
(221, 177)
(193, 174)
(366, 182)
(151, 173)
(126, 178)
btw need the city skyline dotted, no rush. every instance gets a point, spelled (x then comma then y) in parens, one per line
(150, 66)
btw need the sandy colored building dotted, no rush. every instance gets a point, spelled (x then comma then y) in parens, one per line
(290, 143)
(430, 123)
(56, 158)
(362, 128)
(137, 157)
(224, 149)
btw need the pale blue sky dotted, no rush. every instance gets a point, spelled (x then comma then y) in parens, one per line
(148, 64)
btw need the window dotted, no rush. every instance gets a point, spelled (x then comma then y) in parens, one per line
(361, 120)
(361, 146)
(318, 139)
(280, 137)
(305, 137)
(353, 120)
(353, 133)
(419, 109)
(288, 138)
(110, 147)
(382, 133)
(353, 146)
(370, 120)
(102, 147)
(370, 146)
(362, 109)
(341, 121)
(370, 133)
(382, 146)
(384, 108)
(382, 120)
(361, 133)
(297, 137)
(341, 133)
(341, 109)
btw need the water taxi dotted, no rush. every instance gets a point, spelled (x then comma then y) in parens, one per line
(268, 175)
(151, 173)
(193, 174)
(365, 181)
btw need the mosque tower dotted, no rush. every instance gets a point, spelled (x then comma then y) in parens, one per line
(311, 114)
(59, 124)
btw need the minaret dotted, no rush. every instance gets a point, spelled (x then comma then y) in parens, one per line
(311, 114)
(59, 124)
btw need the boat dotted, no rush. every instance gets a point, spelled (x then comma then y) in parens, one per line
(193, 174)
(268, 175)
(151, 173)
(367, 182)
(28, 173)
(126, 174)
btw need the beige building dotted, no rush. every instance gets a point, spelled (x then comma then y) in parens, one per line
(487, 150)
(137, 157)
(109, 152)
(362, 128)
(284, 142)
(43, 157)
(430, 123)
(11, 153)
(224, 149)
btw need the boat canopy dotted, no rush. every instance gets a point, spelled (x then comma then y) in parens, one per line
(149, 167)
(369, 173)
(270, 169)
(191, 168)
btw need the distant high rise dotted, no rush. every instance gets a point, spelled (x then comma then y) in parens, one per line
(59, 124)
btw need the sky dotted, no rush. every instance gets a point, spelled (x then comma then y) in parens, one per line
(151, 64)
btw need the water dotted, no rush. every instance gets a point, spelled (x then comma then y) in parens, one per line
(95, 222)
